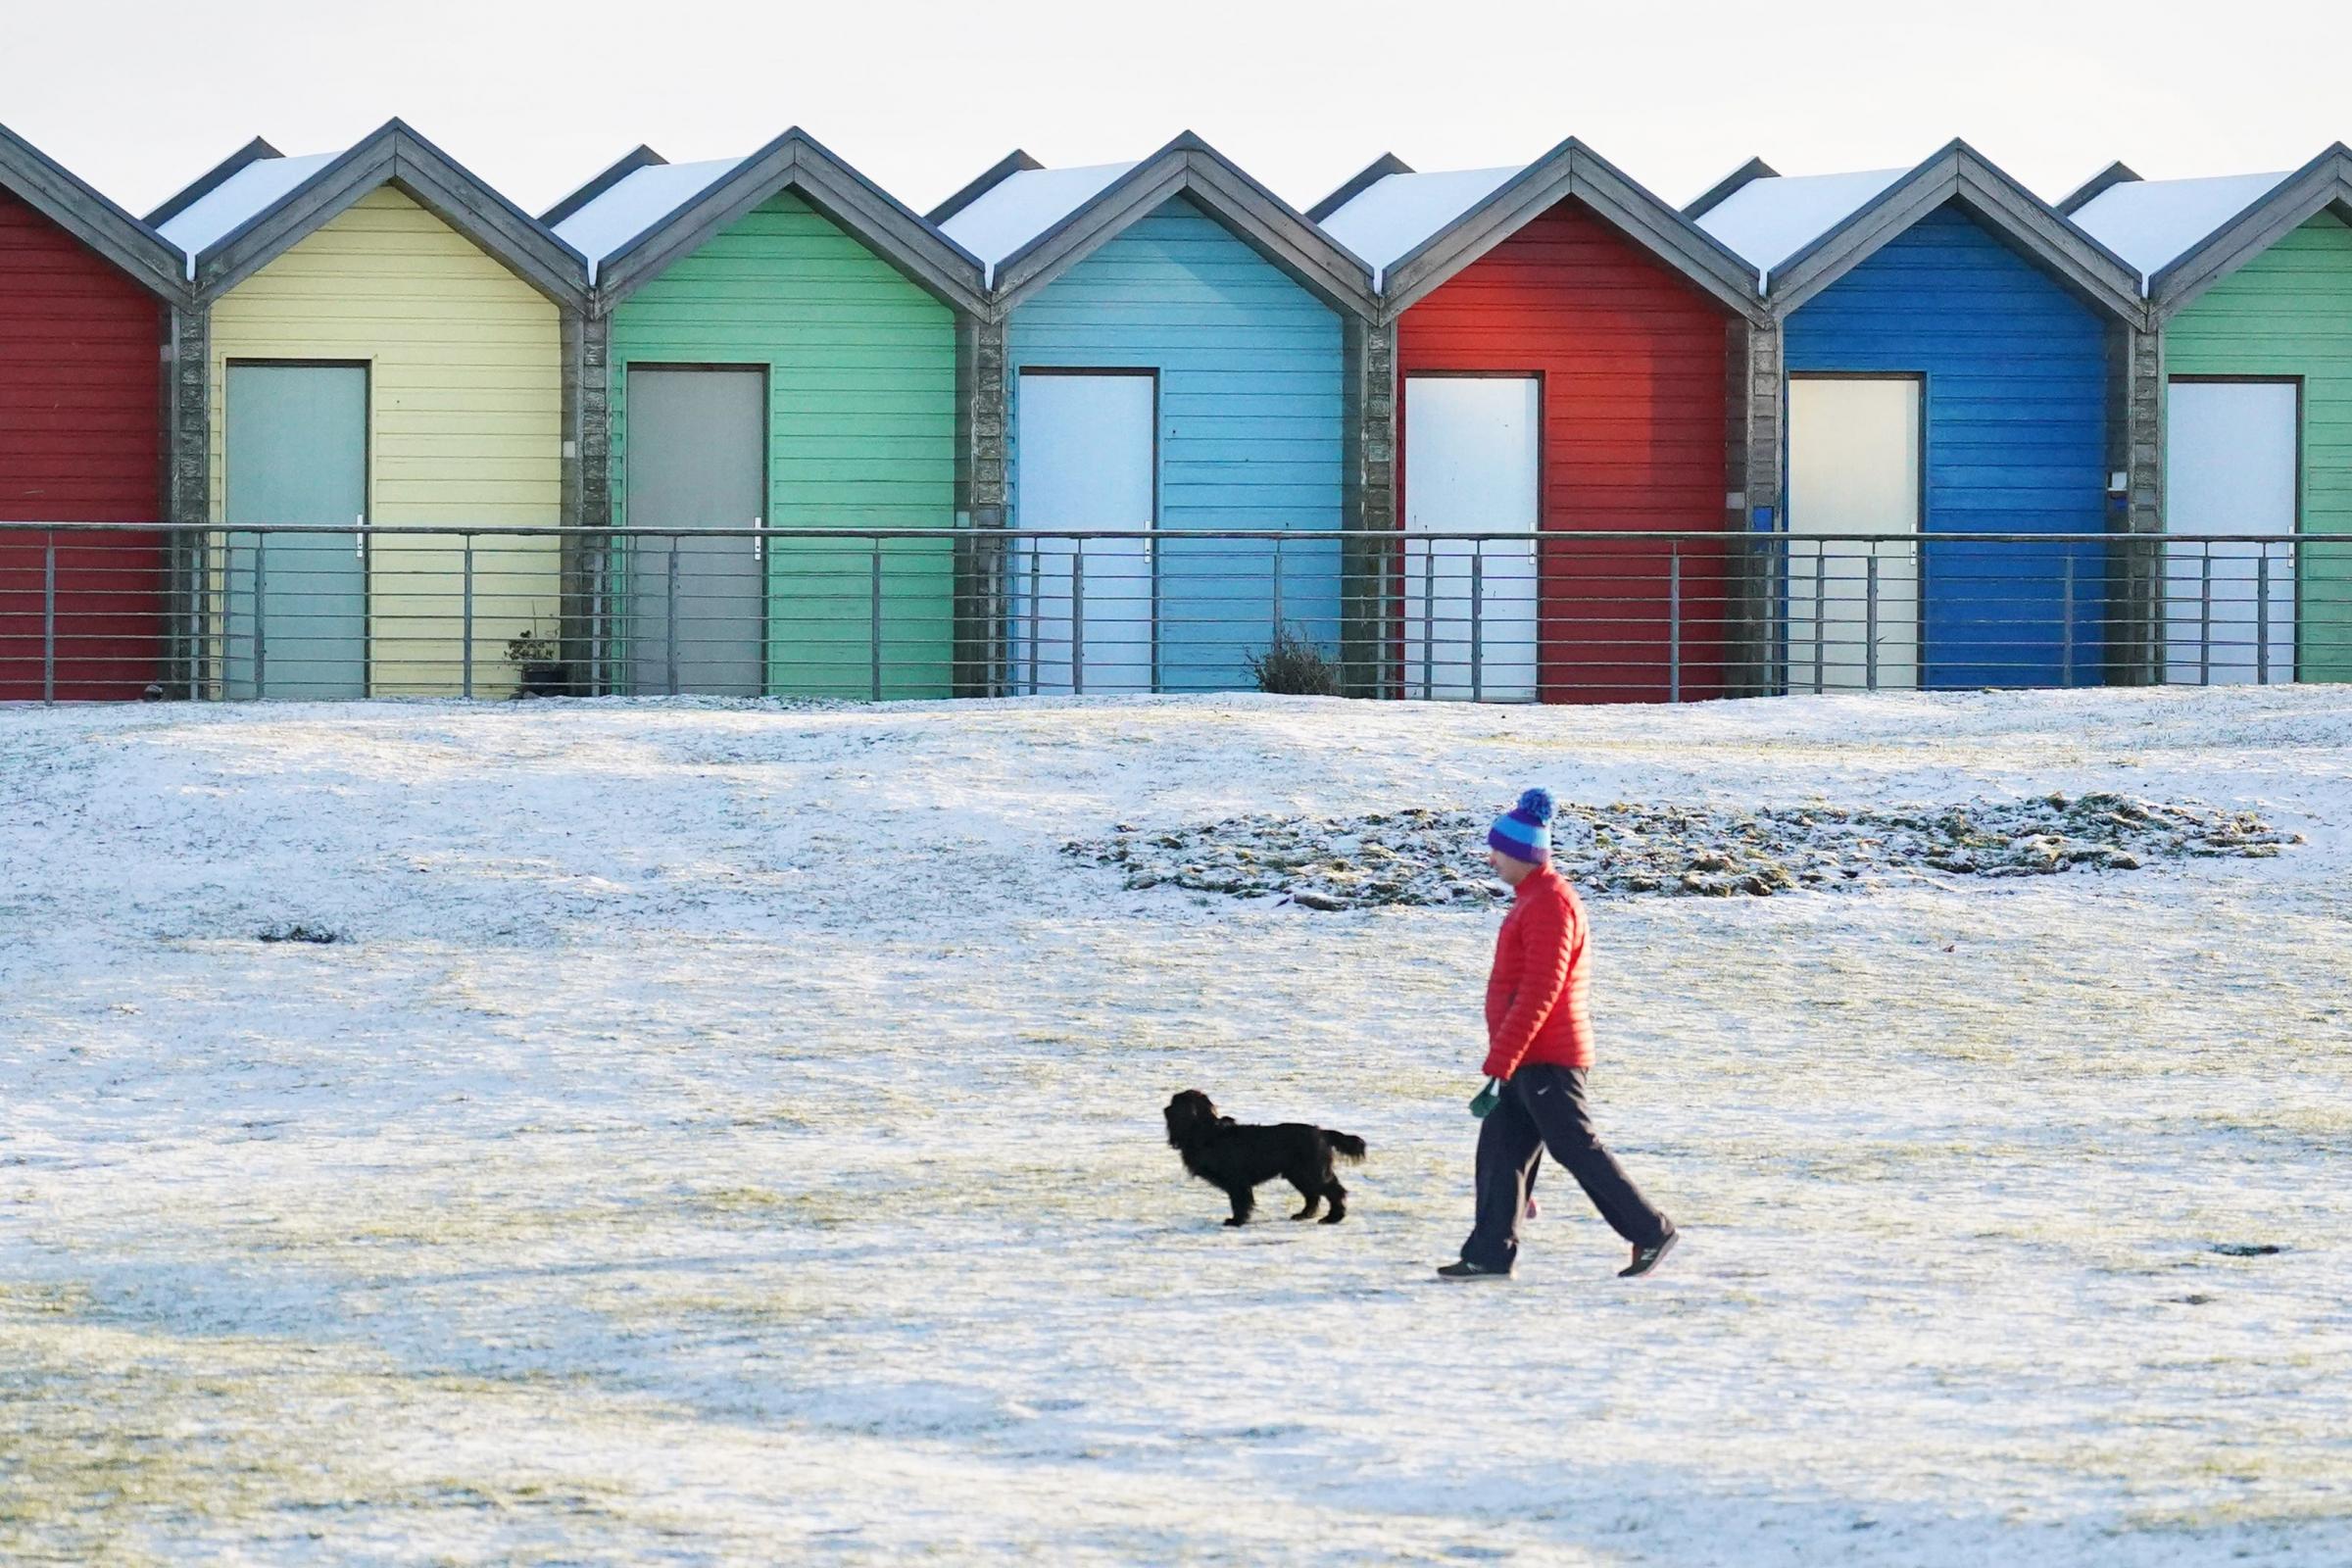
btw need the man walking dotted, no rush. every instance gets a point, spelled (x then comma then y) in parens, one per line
(1539, 1043)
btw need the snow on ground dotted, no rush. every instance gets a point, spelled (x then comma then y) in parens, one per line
(730, 1132)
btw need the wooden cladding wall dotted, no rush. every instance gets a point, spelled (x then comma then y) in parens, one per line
(81, 441)
(1631, 357)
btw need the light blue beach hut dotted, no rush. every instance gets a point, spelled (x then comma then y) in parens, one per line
(1176, 339)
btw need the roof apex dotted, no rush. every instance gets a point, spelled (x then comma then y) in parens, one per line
(86, 212)
(486, 214)
(2098, 274)
(1271, 225)
(2249, 231)
(1570, 169)
(795, 160)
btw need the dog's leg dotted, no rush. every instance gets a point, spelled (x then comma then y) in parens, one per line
(1244, 1200)
(1312, 1190)
(1339, 1202)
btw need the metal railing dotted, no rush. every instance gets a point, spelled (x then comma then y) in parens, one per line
(94, 611)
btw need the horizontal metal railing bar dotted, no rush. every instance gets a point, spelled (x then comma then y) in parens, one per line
(1300, 538)
(1635, 591)
(1584, 611)
(1587, 610)
(1975, 652)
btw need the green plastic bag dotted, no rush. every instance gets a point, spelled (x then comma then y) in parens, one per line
(1487, 1099)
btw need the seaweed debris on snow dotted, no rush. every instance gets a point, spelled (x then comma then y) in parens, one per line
(1432, 857)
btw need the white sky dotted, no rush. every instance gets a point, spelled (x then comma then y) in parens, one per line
(923, 95)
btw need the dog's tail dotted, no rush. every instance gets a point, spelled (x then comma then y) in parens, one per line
(1347, 1146)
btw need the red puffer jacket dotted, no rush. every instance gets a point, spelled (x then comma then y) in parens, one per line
(1536, 1007)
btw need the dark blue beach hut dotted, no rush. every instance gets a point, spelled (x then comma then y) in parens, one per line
(1948, 339)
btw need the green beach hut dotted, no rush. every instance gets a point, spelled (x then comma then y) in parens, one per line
(2248, 279)
(772, 344)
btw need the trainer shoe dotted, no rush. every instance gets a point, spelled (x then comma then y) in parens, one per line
(1471, 1271)
(1647, 1259)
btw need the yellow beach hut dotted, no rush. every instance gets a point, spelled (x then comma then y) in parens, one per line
(387, 348)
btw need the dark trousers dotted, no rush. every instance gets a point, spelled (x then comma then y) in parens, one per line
(1543, 1108)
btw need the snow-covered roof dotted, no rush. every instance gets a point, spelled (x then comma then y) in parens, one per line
(636, 203)
(2154, 223)
(1392, 215)
(229, 206)
(1020, 207)
(1769, 220)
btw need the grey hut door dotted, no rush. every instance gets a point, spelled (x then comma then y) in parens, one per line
(296, 453)
(697, 456)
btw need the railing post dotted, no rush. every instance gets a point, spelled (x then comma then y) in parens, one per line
(1870, 619)
(1673, 621)
(1077, 618)
(49, 619)
(1821, 609)
(1035, 620)
(2066, 624)
(2262, 615)
(669, 619)
(260, 644)
(2205, 613)
(466, 635)
(874, 644)
(199, 556)
(1478, 627)
(599, 574)
(1277, 591)
(1389, 593)
(1429, 620)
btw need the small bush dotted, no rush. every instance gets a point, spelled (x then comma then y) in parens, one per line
(1294, 668)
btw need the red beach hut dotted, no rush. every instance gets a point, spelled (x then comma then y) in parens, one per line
(84, 313)
(1568, 349)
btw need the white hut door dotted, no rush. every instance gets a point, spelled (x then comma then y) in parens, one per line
(1082, 612)
(1472, 464)
(2229, 467)
(1852, 611)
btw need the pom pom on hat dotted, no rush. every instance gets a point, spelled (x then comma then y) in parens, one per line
(1524, 832)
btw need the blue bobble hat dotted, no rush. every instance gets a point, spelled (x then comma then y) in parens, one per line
(1524, 832)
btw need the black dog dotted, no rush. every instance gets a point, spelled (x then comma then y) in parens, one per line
(1224, 1154)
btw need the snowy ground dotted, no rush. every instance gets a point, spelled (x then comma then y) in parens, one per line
(731, 1133)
